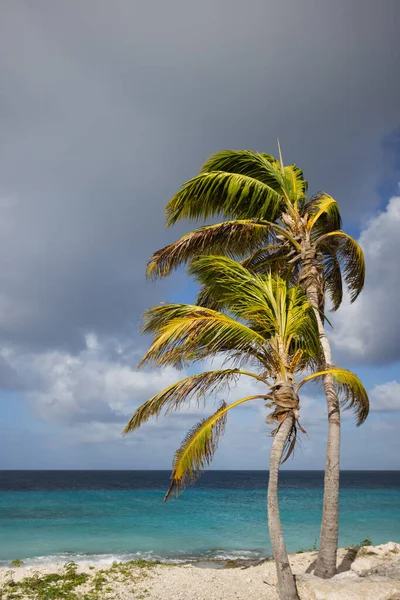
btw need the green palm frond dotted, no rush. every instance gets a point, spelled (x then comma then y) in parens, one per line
(295, 184)
(232, 238)
(208, 299)
(324, 214)
(198, 448)
(264, 301)
(301, 329)
(351, 391)
(193, 387)
(350, 257)
(185, 332)
(220, 193)
(262, 167)
(272, 258)
(332, 278)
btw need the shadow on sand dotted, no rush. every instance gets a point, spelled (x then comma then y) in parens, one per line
(346, 563)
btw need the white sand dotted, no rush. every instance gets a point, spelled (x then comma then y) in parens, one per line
(373, 574)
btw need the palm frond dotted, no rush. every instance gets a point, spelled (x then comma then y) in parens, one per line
(198, 448)
(208, 299)
(268, 304)
(301, 328)
(268, 260)
(244, 294)
(351, 391)
(332, 278)
(220, 193)
(260, 166)
(193, 387)
(290, 443)
(185, 332)
(232, 238)
(246, 162)
(350, 257)
(324, 211)
(272, 258)
(295, 184)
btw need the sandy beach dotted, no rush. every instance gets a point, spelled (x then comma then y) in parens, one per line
(370, 572)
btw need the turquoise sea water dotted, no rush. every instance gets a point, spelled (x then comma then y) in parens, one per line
(121, 515)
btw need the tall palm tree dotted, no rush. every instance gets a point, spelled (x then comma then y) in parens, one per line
(273, 328)
(276, 227)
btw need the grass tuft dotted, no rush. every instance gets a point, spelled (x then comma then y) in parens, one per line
(69, 584)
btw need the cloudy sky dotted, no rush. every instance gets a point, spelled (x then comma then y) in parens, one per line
(105, 109)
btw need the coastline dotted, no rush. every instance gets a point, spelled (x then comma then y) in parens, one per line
(367, 572)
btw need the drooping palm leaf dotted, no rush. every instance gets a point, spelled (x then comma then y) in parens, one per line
(231, 238)
(350, 257)
(265, 301)
(185, 332)
(301, 329)
(324, 214)
(262, 167)
(230, 194)
(288, 180)
(332, 277)
(198, 448)
(295, 185)
(351, 391)
(273, 258)
(193, 387)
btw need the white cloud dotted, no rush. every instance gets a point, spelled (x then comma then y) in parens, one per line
(99, 384)
(96, 390)
(367, 330)
(386, 397)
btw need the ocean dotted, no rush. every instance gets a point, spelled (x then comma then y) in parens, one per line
(120, 515)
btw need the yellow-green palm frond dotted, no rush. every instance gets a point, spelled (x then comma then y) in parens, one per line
(220, 193)
(265, 301)
(270, 259)
(207, 298)
(198, 448)
(351, 391)
(194, 387)
(185, 332)
(323, 214)
(246, 162)
(301, 328)
(295, 184)
(332, 278)
(245, 295)
(260, 166)
(232, 238)
(350, 257)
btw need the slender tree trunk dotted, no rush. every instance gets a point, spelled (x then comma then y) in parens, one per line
(327, 554)
(286, 583)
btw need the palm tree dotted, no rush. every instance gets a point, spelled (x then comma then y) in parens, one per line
(272, 327)
(277, 228)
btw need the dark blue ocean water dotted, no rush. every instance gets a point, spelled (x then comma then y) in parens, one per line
(120, 514)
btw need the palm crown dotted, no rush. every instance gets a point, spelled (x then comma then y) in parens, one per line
(271, 327)
(271, 222)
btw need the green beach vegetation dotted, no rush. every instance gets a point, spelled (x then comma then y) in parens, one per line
(70, 583)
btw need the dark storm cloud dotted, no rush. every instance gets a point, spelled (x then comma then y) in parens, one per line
(106, 107)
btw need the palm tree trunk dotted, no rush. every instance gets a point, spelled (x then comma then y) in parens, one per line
(286, 583)
(327, 554)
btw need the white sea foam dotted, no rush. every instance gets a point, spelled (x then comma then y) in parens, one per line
(108, 559)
